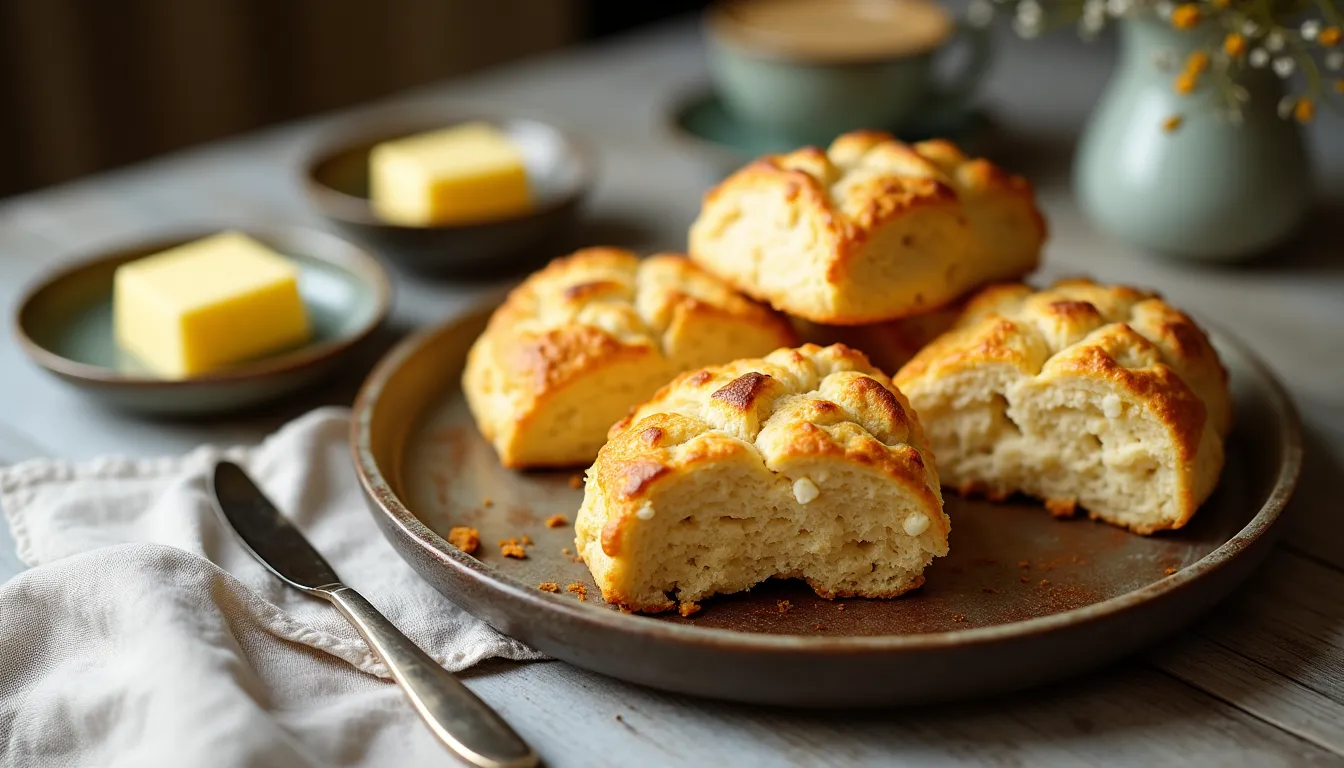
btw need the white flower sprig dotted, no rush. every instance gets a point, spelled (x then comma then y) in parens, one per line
(1256, 34)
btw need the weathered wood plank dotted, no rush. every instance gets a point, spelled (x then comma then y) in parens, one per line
(1255, 688)
(1290, 620)
(1130, 715)
(1276, 650)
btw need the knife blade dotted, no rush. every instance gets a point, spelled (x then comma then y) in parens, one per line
(464, 723)
(268, 534)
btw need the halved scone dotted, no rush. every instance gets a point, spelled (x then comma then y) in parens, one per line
(871, 229)
(580, 342)
(1099, 397)
(805, 464)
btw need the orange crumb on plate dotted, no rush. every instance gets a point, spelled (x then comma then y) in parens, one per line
(464, 538)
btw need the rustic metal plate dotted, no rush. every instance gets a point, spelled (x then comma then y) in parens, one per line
(1022, 598)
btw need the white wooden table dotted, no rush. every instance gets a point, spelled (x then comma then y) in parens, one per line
(1260, 682)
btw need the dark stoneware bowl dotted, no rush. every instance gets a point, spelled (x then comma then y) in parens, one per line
(559, 169)
(1023, 598)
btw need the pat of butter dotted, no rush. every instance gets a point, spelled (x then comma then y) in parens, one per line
(471, 172)
(207, 304)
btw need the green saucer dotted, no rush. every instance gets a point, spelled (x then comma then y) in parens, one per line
(64, 324)
(701, 120)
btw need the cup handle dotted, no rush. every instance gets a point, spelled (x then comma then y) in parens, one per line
(949, 100)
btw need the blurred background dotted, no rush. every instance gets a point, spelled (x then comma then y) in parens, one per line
(93, 84)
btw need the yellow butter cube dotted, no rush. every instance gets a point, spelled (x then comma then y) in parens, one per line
(207, 304)
(467, 173)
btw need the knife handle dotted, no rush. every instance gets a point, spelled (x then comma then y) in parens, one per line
(463, 722)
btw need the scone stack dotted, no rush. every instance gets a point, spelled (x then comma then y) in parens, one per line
(716, 466)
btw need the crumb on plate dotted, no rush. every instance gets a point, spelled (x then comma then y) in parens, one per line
(464, 538)
(1061, 507)
(488, 502)
(512, 548)
(557, 521)
(578, 589)
(784, 606)
(548, 586)
(687, 609)
(576, 481)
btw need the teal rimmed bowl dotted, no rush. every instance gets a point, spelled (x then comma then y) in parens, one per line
(64, 324)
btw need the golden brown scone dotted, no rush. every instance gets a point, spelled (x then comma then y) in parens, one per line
(1100, 397)
(869, 230)
(581, 341)
(805, 464)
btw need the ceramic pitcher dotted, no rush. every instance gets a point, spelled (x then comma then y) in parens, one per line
(1212, 188)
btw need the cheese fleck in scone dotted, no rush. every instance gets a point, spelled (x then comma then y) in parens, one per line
(1099, 397)
(869, 230)
(581, 341)
(805, 464)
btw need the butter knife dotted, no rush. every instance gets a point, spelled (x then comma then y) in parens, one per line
(463, 722)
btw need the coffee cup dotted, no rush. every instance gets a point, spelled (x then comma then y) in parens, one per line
(807, 70)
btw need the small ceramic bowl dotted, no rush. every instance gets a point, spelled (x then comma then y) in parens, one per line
(559, 169)
(64, 324)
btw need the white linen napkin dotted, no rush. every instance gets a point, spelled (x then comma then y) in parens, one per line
(144, 634)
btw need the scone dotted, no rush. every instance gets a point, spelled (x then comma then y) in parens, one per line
(868, 230)
(1099, 397)
(805, 464)
(580, 342)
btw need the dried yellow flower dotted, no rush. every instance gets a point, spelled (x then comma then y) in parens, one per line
(1186, 82)
(1172, 123)
(1330, 36)
(1197, 62)
(1186, 16)
(1304, 111)
(1234, 44)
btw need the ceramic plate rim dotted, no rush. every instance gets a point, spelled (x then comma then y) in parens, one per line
(352, 209)
(365, 268)
(377, 488)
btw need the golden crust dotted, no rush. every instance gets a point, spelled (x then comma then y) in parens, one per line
(813, 403)
(581, 340)
(1127, 340)
(871, 229)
